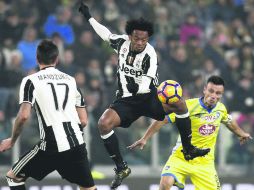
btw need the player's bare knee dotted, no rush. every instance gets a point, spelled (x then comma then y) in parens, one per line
(14, 181)
(176, 107)
(164, 186)
(104, 125)
(10, 174)
(166, 183)
(180, 107)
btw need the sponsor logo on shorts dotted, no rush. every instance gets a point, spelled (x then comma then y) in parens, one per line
(207, 129)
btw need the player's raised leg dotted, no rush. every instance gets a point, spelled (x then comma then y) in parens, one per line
(183, 124)
(170, 95)
(108, 121)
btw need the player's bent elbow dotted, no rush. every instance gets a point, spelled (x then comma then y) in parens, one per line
(22, 118)
(83, 123)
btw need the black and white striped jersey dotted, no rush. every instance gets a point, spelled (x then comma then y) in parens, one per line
(54, 96)
(133, 66)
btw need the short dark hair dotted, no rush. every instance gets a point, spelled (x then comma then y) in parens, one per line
(216, 80)
(47, 52)
(139, 24)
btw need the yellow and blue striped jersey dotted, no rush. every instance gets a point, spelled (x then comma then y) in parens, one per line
(205, 124)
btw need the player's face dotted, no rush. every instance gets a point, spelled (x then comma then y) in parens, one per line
(212, 94)
(139, 40)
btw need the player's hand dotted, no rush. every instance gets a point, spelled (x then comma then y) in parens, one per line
(244, 138)
(84, 10)
(140, 143)
(5, 145)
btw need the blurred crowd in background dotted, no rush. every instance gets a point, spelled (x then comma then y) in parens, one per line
(193, 39)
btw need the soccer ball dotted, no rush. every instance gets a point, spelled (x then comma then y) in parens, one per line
(169, 91)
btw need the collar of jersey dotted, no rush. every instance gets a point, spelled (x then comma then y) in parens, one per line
(134, 52)
(48, 67)
(204, 106)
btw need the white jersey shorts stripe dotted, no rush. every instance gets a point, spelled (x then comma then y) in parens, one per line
(16, 168)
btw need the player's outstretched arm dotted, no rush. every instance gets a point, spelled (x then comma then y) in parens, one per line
(234, 127)
(84, 10)
(101, 30)
(153, 128)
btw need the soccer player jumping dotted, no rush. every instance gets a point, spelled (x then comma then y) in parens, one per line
(136, 94)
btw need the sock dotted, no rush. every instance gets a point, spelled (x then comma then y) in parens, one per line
(112, 146)
(15, 185)
(183, 124)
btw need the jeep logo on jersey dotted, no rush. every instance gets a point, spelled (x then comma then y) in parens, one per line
(206, 130)
(131, 71)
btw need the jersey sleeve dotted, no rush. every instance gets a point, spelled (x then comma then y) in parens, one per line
(101, 30)
(80, 102)
(26, 92)
(150, 64)
(116, 41)
(226, 118)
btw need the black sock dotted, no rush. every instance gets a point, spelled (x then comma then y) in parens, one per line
(112, 147)
(184, 128)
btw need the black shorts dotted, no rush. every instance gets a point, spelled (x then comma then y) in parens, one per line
(72, 165)
(131, 108)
